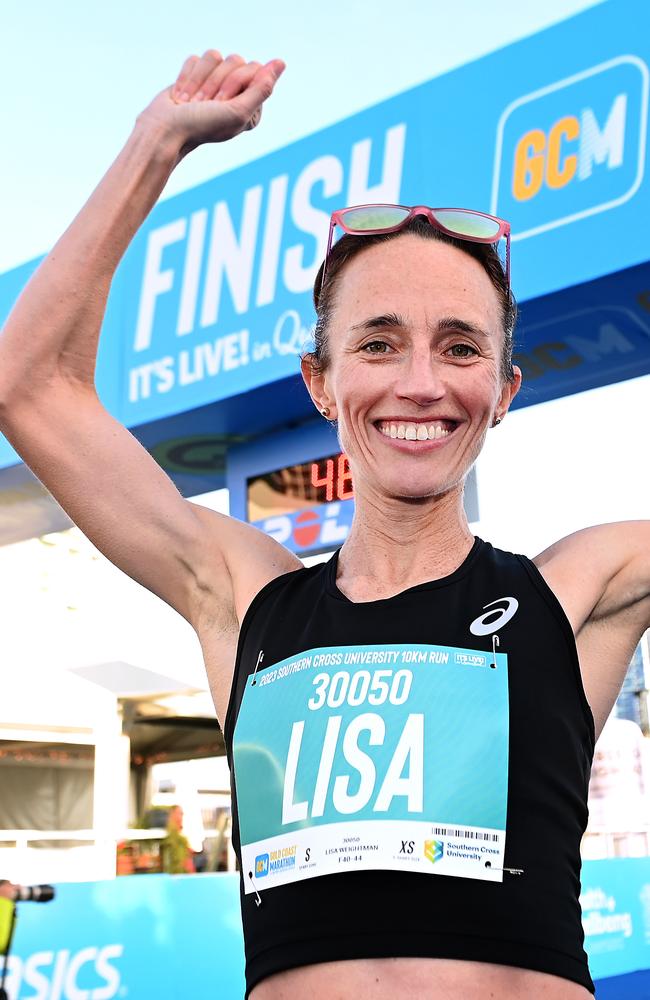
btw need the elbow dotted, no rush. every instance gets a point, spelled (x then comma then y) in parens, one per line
(11, 385)
(4, 396)
(11, 397)
(7, 398)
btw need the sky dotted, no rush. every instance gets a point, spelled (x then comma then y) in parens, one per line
(75, 76)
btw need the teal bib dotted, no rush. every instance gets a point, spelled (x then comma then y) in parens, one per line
(373, 757)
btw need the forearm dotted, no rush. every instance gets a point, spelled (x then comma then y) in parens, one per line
(53, 329)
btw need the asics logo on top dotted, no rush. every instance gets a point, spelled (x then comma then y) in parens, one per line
(496, 617)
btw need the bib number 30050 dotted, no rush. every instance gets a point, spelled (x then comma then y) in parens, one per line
(343, 753)
(362, 686)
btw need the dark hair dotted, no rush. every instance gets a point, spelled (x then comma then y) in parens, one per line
(349, 246)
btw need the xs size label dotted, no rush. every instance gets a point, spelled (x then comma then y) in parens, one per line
(345, 754)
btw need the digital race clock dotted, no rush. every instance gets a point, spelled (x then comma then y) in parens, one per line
(306, 506)
(295, 486)
(298, 487)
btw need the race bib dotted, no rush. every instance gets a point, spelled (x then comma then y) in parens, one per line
(373, 757)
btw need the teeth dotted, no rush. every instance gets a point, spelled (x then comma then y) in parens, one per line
(414, 432)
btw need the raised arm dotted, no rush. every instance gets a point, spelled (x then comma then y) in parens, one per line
(49, 408)
(601, 576)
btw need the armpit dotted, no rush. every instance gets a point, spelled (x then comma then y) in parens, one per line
(600, 571)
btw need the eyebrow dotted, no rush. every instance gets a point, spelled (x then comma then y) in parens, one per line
(444, 324)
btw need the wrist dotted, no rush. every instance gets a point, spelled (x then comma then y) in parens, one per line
(159, 138)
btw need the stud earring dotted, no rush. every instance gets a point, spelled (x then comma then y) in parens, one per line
(325, 411)
(497, 420)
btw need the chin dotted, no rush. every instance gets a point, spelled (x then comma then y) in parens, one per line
(420, 493)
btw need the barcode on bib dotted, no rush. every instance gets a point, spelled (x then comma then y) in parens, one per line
(451, 831)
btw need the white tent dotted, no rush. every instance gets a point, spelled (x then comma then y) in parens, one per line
(64, 773)
(76, 748)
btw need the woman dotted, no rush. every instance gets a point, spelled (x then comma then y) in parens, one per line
(413, 334)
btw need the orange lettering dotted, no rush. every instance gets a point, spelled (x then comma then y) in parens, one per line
(560, 173)
(528, 173)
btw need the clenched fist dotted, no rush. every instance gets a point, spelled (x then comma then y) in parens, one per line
(213, 99)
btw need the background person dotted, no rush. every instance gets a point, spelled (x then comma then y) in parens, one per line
(178, 857)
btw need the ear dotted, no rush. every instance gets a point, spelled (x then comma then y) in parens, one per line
(316, 386)
(508, 393)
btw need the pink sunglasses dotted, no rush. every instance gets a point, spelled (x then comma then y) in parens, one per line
(464, 223)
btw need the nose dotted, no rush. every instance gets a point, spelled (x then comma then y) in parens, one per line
(421, 379)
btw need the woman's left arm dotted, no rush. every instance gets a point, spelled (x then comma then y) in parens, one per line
(601, 576)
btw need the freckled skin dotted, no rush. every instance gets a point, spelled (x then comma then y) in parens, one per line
(416, 375)
(436, 353)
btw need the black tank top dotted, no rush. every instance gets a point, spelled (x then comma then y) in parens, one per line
(299, 628)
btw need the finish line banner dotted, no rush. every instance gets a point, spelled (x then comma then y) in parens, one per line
(213, 298)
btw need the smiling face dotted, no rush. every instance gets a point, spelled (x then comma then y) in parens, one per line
(414, 378)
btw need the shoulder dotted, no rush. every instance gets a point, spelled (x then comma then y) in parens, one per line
(600, 571)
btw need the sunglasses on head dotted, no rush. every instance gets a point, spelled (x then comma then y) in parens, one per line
(463, 223)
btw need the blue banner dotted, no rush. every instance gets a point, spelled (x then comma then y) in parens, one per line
(173, 937)
(584, 337)
(149, 936)
(213, 298)
(615, 903)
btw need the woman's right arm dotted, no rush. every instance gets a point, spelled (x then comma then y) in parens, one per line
(49, 409)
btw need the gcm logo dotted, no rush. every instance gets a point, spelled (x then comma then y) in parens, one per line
(572, 148)
(568, 150)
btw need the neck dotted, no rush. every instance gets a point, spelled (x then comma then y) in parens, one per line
(394, 544)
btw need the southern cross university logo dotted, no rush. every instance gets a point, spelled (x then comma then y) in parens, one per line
(434, 850)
